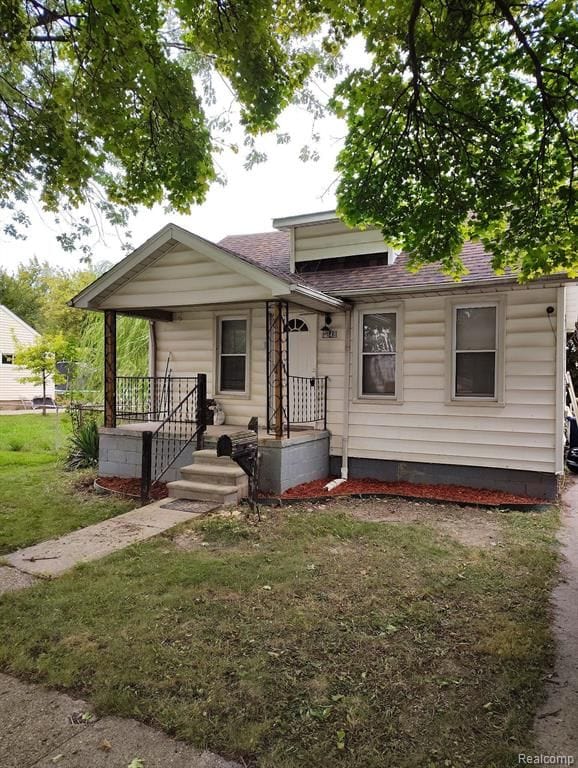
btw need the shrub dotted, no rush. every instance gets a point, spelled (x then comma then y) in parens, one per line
(83, 446)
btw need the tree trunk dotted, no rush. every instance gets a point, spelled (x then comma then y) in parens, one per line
(44, 393)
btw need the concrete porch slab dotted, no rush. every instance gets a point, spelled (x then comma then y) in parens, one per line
(53, 557)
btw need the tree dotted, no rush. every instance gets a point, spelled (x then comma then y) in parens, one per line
(132, 351)
(40, 360)
(22, 293)
(98, 100)
(464, 126)
(38, 293)
(461, 125)
(60, 285)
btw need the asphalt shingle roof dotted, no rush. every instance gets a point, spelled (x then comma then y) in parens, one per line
(270, 250)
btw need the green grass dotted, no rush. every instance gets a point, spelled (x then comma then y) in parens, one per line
(38, 500)
(309, 639)
(33, 433)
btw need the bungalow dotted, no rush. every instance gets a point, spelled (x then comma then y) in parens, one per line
(13, 392)
(353, 365)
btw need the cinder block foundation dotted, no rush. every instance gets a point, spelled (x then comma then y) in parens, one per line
(285, 463)
(292, 461)
(120, 455)
(541, 485)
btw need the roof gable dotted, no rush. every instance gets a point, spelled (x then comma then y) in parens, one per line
(12, 316)
(102, 292)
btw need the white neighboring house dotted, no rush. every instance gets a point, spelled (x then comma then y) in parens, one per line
(13, 393)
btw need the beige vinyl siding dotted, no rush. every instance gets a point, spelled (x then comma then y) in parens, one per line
(334, 240)
(426, 427)
(191, 342)
(182, 278)
(571, 292)
(10, 386)
(330, 363)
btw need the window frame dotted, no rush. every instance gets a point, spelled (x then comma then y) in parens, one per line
(377, 309)
(497, 302)
(247, 354)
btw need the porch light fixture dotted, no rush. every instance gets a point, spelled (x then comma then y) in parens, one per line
(328, 320)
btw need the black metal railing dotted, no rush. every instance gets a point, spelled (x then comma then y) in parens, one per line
(307, 399)
(163, 446)
(150, 398)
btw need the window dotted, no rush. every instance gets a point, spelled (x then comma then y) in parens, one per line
(296, 325)
(378, 354)
(7, 359)
(232, 355)
(475, 334)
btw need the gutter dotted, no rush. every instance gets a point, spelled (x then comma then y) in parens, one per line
(437, 289)
(312, 293)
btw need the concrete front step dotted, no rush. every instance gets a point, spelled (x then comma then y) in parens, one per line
(211, 473)
(208, 456)
(221, 494)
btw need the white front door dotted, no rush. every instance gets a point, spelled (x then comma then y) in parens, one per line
(302, 364)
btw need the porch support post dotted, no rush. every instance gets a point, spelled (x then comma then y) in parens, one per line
(110, 368)
(278, 368)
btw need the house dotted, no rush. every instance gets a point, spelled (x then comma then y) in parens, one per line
(353, 365)
(14, 393)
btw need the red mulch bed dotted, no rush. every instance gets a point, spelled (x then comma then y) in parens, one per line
(130, 486)
(369, 487)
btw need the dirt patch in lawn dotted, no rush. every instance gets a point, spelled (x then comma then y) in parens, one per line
(187, 540)
(471, 526)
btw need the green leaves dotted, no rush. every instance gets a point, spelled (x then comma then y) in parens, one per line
(41, 357)
(463, 127)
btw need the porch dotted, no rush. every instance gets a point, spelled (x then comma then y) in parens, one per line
(152, 423)
(284, 463)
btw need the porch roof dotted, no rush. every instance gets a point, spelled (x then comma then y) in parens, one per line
(263, 281)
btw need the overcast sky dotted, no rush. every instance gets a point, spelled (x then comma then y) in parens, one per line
(282, 186)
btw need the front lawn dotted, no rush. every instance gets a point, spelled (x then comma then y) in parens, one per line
(315, 638)
(33, 433)
(38, 499)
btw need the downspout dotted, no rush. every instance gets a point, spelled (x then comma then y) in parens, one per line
(346, 397)
(560, 379)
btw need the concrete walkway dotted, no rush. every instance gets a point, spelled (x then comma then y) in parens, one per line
(557, 723)
(42, 729)
(53, 557)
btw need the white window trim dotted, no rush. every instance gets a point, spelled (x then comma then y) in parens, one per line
(373, 309)
(233, 393)
(493, 300)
